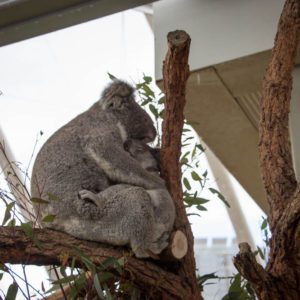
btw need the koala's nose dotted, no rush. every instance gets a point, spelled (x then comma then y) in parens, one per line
(151, 133)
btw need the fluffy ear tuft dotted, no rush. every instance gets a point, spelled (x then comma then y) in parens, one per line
(115, 94)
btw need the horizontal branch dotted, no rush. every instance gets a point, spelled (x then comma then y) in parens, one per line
(17, 248)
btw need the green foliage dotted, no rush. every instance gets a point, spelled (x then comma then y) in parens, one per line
(263, 252)
(206, 280)
(97, 280)
(220, 196)
(39, 201)
(49, 218)
(8, 215)
(28, 230)
(239, 290)
(193, 180)
(12, 292)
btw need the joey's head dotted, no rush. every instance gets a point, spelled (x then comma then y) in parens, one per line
(143, 154)
(118, 99)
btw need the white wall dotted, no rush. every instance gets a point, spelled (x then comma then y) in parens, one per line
(221, 30)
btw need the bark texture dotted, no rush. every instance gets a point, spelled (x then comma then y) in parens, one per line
(56, 247)
(281, 278)
(175, 75)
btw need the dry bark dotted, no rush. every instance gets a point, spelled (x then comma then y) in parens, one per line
(58, 248)
(280, 279)
(175, 75)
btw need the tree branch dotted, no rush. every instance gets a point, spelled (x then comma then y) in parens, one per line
(248, 267)
(17, 248)
(280, 279)
(175, 75)
(274, 146)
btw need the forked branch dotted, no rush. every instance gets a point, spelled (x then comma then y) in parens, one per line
(274, 145)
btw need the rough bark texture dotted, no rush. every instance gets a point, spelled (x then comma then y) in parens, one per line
(17, 248)
(175, 75)
(281, 278)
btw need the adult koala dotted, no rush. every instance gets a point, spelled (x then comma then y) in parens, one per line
(88, 153)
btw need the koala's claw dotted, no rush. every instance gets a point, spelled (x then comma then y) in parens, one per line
(87, 195)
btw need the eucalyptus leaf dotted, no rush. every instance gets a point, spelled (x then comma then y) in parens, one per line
(201, 207)
(27, 228)
(220, 196)
(49, 218)
(195, 176)
(161, 100)
(195, 200)
(66, 279)
(261, 253)
(62, 270)
(53, 197)
(98, 287)
(108, 295)
(202, 279)
(264, 224)
(12, 291)
(12, 223)
(153, 110)
(39, 201)
(7, 214)
(186, 183)
(147, 79)
(200, 147)
(105, 276)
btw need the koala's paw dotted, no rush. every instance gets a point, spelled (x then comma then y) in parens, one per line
(141, 253)
(87, 195)
(158, 247)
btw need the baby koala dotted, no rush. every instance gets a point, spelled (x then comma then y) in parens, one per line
(163, 205)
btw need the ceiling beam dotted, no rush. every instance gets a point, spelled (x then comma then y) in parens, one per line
(21, 19)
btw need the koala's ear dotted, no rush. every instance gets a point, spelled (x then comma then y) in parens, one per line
(116, 95)
(127, 145)
(115, 102)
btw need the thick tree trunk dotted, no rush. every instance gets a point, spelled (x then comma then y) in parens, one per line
(175, 75)
(280, 279)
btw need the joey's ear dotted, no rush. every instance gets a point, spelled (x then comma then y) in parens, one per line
(127, 145)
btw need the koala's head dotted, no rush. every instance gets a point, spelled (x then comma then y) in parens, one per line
(118, 99)
(145, 155)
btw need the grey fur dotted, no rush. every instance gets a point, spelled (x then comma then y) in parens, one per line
(161, 201)
(88, 153)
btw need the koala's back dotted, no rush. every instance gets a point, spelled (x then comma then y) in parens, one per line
(62, 168)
